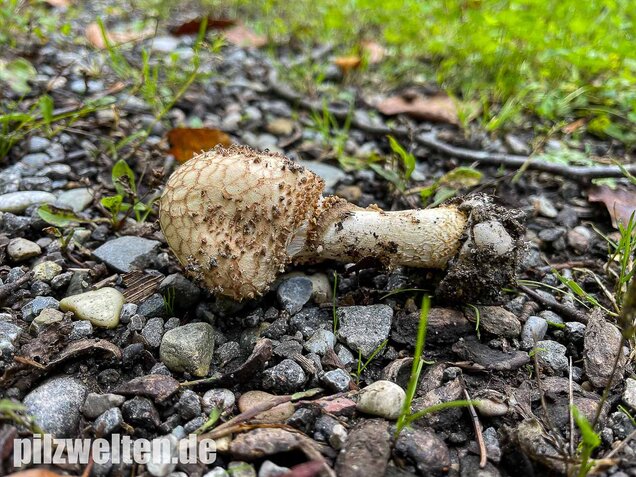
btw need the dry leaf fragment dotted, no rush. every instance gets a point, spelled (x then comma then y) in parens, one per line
(193, 26)
(187, 142)
(620, 202)
(374, 52)
(439, 108)
(347, 63)
(240, 35)
(574, 126)
(94, 36)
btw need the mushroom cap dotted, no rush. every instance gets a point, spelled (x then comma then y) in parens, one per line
(229, 216)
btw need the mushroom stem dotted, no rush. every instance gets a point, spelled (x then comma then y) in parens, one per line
(425, 238)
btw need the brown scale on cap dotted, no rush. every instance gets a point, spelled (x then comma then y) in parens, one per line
(219, 211)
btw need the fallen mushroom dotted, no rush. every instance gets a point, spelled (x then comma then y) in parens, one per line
(236, 217)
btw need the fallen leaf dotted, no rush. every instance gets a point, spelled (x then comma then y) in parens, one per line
(240, 35)
(439, 108)
(347, 63)
(94, 36)
(574, 126)
(188, 142)
(373, 51)
(193, 26)
(17, 74)
(620, 202)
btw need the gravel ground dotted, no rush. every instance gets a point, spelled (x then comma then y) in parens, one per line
(97, 333)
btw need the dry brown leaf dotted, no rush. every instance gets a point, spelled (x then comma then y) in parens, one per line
(373, 51)
(347, 63)
(193, 26)
(620, 202)
(187, 142)
(574, 126)
(94, 36)
(240, 35)
(439, 108)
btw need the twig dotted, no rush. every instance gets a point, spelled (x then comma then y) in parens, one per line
(579, 173)
(571, 416)
(551, 304)
(623, 443)
(8, 288)
(483, 453)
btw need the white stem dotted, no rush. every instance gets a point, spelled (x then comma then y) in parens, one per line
(425, 238)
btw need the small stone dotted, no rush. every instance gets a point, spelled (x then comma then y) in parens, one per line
(320, 342)
(46, 317)
(46, 271)
(551, 317)
(600, 346)
(382, 398)
(75, 199)
(55, 405)
(293, 293)
(217, 472)
(109, 422)
(37, 305)
(160, 460)
(492, 235)
(222, 399)
(127, 312)
(367, 450)
(337, 380)
(153, 306)
(424, 449)
(185, 292)
(18, 202)
(81, 330)
(189, 405)
(188, 348)
(20, 249)
(491, 408)
(100, 307)
(9, 335)
(338, 436)
(575, 331)
(280, 127)
(321, 288)
(517, 145)
(269, 469)
(38, 144)
(277, 414)
(309, 320)
(534, 329)
(552, 355)
(499, 321)
(140, 411)
(165, 44)
(153, 332)
(241, 469)
(364, 328)
(286, 377)
(629, 394)
(127, 253)
(97, 404)
(579, 238)
(545, 207)
(330, 174)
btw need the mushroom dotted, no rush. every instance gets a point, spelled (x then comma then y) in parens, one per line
(235, 218)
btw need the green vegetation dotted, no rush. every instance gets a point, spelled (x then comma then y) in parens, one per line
(362, 365)
(406, 417)
(590, 440)
(557, 60)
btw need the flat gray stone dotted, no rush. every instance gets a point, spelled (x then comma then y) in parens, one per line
(330, 174)
(18, 202)
(75, 199)
(55, 405)
(364, 328)
(125, 253)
